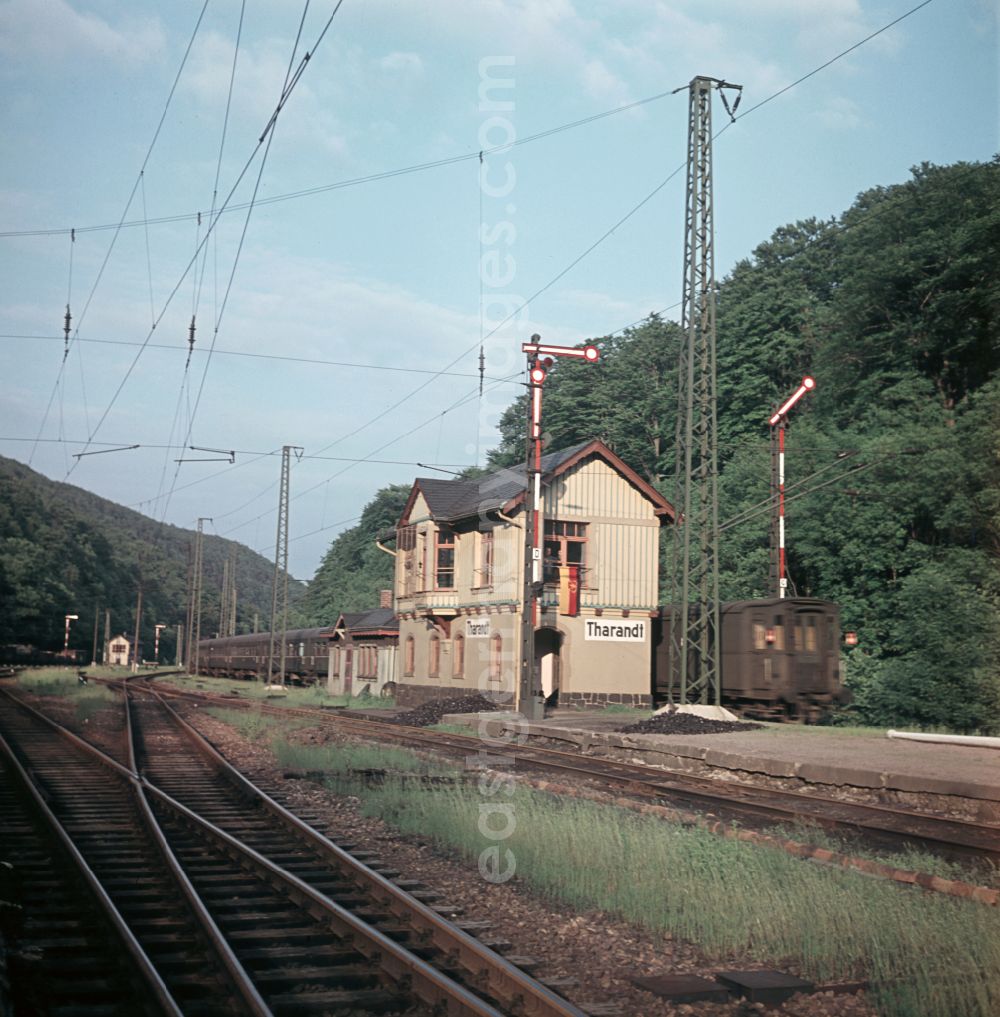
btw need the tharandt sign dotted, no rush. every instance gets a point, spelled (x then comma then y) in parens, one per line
(624, 631)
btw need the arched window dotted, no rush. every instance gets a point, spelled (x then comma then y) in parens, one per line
(496, 658)
(458, 658)
(434, 657)
(409, 655)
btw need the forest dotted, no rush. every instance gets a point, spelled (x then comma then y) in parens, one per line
(66, 551)
(893, 462)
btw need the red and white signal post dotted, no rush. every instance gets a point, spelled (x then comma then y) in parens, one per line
(778, 423)
(530, 701)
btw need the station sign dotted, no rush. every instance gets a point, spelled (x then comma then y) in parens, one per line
(477, 628)
(624, 631)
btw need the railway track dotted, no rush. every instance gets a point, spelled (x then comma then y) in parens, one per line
(236, 905)
(883, 825)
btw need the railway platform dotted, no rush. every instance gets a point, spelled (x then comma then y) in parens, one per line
(869, 764)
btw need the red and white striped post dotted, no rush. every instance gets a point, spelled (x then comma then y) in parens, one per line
(539, 359)
(778, 420)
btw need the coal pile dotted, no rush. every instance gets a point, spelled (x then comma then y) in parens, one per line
(431, 712)
(686, 723)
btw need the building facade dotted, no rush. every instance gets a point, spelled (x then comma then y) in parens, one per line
(120, 651)
(363, 650)
(459, 574)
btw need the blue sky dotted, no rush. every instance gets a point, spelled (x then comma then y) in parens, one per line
(394, 273)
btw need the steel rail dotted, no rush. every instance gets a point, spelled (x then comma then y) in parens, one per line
(402, 966)
(224, 954)
(396, 961)
(982, 839)
(241, 979)
(144, 967)
(505, 980)
(977, 839)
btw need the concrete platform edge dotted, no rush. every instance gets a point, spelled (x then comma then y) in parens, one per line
(662, 746)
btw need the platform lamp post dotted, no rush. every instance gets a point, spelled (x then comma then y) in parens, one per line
(69, 618)
(157, 629)
(778, 422)
(529, 700)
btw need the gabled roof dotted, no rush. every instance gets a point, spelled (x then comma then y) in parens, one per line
(452, 500)
(380, 621)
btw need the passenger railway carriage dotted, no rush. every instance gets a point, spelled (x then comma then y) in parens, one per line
(307, 655)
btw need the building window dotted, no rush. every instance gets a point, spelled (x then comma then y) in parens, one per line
(486, 558)
(367, 662)
(496, 658)
(444, 560)
(565, 544)
(434, 657)
(406, 543)
(409, 654)
(458, 657)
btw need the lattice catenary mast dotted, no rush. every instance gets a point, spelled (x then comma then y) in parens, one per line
(279, 589)
(194, 634)
(694, 621)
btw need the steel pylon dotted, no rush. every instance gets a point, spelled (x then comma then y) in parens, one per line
(279, 588)
(695, 658)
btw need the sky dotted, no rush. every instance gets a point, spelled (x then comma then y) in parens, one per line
(360, 255)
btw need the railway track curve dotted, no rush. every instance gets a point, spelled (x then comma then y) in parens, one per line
(292, 923)
(884, 825)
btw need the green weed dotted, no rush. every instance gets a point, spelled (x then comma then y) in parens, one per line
(923, 953)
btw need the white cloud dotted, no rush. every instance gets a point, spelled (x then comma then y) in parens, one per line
(261, 70)
(52, 29)
(840, 114)
(603, 84)
(409, 64)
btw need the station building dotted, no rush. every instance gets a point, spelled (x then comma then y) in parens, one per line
(459, 582)
(363, 649)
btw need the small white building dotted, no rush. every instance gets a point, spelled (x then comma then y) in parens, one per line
(119, 651)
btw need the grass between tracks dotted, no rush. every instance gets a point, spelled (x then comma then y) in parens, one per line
(924, 954)
(292, 695)
(88, 700)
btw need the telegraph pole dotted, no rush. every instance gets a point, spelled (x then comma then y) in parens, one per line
(224, 601)
(194, 634)
(540, 355)
(97, 621)
(187, 659)
(138, 623)
(695, 661)
(279, 588)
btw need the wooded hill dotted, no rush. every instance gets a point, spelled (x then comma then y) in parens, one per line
(66, 551)
(893, 463)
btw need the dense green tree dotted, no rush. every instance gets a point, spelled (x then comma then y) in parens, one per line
(355, 569)
(66, 551)
(893, 463)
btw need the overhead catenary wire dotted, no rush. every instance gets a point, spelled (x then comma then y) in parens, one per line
(744, 114)
(268, 131)
(360, 181)
(223, 352)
